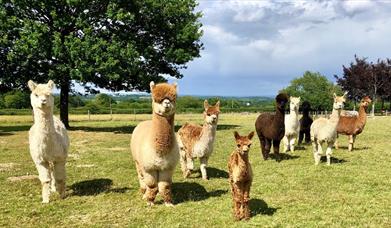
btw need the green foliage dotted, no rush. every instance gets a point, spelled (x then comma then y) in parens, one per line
(314, 88)
(16, 100)
(104, 100)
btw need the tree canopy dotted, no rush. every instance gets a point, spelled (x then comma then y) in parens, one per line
(314, 88)
(117, 45)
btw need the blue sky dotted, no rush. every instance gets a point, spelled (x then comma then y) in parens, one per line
(255, 48)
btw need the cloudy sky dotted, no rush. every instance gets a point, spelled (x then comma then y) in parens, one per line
(254, 48)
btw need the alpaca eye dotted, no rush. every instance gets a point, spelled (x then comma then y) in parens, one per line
(36, 95)
(208, 114)
(249, 145)
(238, 145)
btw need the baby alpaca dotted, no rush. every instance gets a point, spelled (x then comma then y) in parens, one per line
(325, 130)
(271, 129)
(197, 141)
(292, 125)
(48, 140)
(154, 146)
(241, 176)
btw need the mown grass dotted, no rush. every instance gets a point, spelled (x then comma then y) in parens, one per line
(102, 188)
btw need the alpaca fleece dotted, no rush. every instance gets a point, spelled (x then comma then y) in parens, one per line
(240, 176)
(305, 123)
(354, 125)
(154, 146)
(292, 125)
(271, 128)
(48, 141)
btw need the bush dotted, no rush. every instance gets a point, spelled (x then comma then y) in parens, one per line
(17, 100)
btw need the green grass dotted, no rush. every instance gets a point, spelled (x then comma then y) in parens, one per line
(102, 185)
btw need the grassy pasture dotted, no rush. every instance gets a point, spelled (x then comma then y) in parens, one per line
(102, 187)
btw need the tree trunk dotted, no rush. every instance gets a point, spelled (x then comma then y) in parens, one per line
(64, 97)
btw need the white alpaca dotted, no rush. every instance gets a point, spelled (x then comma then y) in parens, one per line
(48, 140)
(325, 130)
(197, 141)
(292, 125)
(154, 146)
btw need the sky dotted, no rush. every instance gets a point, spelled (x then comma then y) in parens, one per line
(255, 48)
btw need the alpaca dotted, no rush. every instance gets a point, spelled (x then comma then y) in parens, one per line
(325, 130)
(154, 146)
(292, 125)
(353, 125)
(241, 176)
(197, 141)
(270, 127)
(48, 140)
(305, 123)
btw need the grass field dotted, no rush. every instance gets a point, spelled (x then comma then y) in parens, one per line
(102, 187)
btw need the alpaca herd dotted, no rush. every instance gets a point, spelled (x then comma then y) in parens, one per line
(156, 148)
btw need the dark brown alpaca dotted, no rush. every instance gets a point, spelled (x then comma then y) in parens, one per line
(305, 123)
(353, 125)
(270, 127)
(241, 176)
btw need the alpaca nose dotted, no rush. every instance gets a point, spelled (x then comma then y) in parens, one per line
(43, 100)
(245, 148)
(166, 103)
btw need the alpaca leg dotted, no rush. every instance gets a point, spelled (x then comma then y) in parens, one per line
(307, 134)
(165, 181)
(44, 177)
(52, 180)
(285, 141)
(183, 162)
(351, 142)
(262, 141)
(292, 144)
(268, 144)
(204, 163)
(59, 177)
(276, 148)
(316, 148)
(301, 136)
(336, 143)
(328, 153)
(237, 198)
(143, 186)
(246, 200)
(150, 179)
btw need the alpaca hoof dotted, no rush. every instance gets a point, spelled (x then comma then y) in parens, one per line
(187, 174)
(169, 204)
(205, 178)
(144, 196)
(150, 204)
(45, 201)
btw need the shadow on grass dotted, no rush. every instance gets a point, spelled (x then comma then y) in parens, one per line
(6, 129)
(5, 133)
(216, 173)
(354, 148)
(116, 130)
(258, 206)
(283, 156)
(333, 160)
(95, 187)
(190, 191)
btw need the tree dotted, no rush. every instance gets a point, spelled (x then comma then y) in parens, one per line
(314, 88)
(103, 100)
(16, 99)
(117, 45)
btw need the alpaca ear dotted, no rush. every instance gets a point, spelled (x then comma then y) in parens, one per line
(251, 135)
(236, 134)
(32, 85)
(206, 104)
(152, 85)
(50, 84)
(334, 95)
(217, 104)
(346, 93)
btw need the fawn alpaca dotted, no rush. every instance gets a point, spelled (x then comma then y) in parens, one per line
(325, 130)
(292, 125)
(305, 123)
(241, 176)
(270, 127)
(197, 141)
(154, 146)
(353, 125)
(48, 140)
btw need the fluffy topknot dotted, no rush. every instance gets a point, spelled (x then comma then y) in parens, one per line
(282, 97)
(163, 91)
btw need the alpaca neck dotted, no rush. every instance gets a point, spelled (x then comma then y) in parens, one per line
(306, 113)
(362, 115)
(334, 117)
(279, 118)
(44, 119)
(294, 114)
(163, 133)
(209, 130)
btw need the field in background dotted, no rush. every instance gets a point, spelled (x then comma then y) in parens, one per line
(102, 186)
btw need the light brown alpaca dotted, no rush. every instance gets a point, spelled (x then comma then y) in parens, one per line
(353, 125)
(197, 141)
(154, 146)
(325, 130)
(241, 176)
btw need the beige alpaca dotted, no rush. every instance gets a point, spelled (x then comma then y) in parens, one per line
(325, 130)
(197, 141)
(49, 141)
(292, 125)
(241, 176)
(154, 146)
